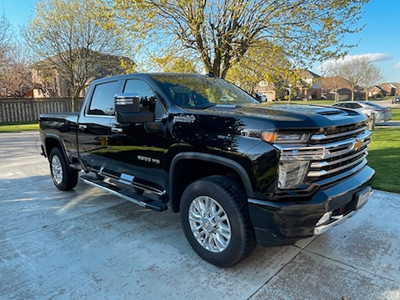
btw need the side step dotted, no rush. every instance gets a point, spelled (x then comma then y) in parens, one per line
(132, 197)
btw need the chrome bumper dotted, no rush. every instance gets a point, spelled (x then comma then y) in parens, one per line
(327, 220)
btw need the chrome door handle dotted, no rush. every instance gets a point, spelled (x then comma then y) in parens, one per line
(116, 130)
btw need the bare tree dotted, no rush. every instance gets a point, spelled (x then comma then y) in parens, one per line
(68, 39)
(372, 77)
(5, 42)
(357, 71)
(15, 77)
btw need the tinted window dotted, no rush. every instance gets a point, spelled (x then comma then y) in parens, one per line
(147, 97)
(196, 91)
(103, 99)
(352, 105)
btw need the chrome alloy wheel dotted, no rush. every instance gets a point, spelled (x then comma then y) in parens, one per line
(56, 169)
(209, 224)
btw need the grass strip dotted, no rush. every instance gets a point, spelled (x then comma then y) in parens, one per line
(18, 127)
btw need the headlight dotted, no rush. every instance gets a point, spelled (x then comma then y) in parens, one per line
(292, 173)
(294, 163)
(295, 156)
(284, 138)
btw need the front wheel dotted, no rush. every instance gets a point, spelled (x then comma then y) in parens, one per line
(216, 222)
(64, 178)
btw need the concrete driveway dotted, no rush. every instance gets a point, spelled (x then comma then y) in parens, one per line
(89, 244)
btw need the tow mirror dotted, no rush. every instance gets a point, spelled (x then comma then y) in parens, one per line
(127, 109)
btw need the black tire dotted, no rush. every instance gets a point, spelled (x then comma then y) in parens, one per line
(227, 236)
(64, 178)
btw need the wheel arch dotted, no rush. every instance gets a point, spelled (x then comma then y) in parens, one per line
(51, 141)
(181, 173)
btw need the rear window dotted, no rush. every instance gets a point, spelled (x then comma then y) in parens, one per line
(103, 99)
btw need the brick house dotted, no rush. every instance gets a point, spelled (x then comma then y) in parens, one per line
(48, 81)
(390, 88)
(336, 88)
(267, 89)
(308, 87)
(376, 91)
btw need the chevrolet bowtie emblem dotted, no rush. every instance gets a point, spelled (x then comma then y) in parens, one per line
(358, 144)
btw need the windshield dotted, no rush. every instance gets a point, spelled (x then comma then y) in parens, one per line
(200, 91)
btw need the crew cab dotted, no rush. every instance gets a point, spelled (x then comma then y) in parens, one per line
(238, 172)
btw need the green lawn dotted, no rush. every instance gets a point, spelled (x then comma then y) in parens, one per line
(18, 127)
(396, 114)
(384, 157)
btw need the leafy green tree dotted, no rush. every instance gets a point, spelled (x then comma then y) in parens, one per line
(221, 32)
(264, 62)
(67, 37)
(173, 62)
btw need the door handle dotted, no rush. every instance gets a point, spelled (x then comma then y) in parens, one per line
(116, 130)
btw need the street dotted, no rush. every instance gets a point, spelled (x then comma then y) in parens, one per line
(92, 245)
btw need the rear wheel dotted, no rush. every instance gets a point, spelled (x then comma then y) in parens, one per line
(216, 222)
(64, 178)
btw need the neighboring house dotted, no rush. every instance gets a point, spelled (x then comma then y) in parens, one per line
(390, 88)
(308, 87)
(336, 88)
(49, 82)
(376, 92)
(267, 89)
(332, 86)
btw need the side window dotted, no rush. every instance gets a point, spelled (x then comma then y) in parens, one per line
(103, 99)
(355, 106)
(148, 100)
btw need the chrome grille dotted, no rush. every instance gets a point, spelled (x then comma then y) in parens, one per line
(342, 155)
(338, 133)
(331, 152)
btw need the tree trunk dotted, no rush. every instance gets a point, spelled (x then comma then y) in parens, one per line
(73, 104)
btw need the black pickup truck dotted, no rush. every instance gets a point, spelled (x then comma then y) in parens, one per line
(239, 172)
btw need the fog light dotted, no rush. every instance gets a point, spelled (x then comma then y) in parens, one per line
(324, 219)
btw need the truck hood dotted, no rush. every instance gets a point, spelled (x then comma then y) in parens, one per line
(292, 116)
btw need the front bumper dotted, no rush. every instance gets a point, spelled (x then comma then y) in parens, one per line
(280, 223)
